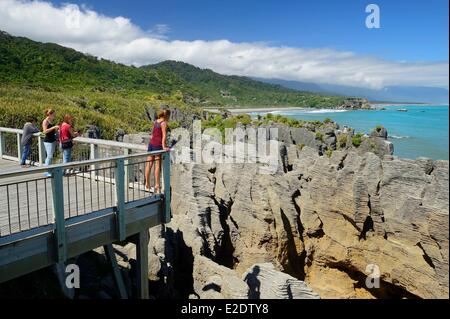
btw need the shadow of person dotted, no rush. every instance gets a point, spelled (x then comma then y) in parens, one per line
(254, 284)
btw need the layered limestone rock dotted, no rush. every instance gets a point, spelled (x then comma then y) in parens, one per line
(213, 281)
(330, 221)
(266, 282)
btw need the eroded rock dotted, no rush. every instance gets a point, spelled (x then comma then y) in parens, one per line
(266, 282)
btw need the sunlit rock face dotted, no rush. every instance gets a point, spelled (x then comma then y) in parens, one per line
(330, 221)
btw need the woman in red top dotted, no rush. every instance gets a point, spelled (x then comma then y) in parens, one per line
(66, 135)
(157, 143)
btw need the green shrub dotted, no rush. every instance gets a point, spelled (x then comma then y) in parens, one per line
(174, 124)
(357, 140)
(379, 128)
(329, 152)
(342, 140)
(327, 120)
(244, 119)
(319, 136)
(292, 122)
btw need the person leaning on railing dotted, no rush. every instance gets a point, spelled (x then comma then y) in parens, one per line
(157, 143)
(28, 130)
(66, 137)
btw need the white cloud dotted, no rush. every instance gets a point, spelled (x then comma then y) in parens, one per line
(160, 30)
(118, 39)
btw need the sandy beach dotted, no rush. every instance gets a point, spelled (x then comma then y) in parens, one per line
(259, 109)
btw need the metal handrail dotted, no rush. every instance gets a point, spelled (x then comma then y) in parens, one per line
(81, 139)
(11, 130)
(44, 169)
(102, 142)
(38, 160)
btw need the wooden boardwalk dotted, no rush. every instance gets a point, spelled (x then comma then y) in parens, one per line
(96, 201)
(26, 202)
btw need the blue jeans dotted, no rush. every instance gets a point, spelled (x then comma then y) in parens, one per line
(25, 153)
(50, 150)
(67, 155)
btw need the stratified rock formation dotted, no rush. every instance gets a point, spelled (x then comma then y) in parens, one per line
(330, 221)
(266, 282)
(213, 281)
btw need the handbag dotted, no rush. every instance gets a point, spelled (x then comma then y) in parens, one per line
(66, 144)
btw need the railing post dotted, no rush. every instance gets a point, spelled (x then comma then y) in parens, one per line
(126, 152)
(58, 213)
(142, 240)
(19, 147)
(93, 154)
(120, 197)
(166, 185)
(2, 144)
(41, 150)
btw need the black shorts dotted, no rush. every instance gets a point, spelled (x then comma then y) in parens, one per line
(152, 148)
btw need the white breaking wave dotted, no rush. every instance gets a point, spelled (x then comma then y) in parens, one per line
(302, 111)
(399, 137)
(325, 111)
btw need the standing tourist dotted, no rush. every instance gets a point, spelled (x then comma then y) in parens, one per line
(28, 130)
(66, 137)
(157, 143)
(49, 129)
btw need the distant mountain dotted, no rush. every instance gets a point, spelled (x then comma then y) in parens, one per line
(388, 94)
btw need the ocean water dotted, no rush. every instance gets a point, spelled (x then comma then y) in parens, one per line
(422, 131)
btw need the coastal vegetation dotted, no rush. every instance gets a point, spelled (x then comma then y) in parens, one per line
(342, 140)
(319, 136)
(357, 139)
(108, 111)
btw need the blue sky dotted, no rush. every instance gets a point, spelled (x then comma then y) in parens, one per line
(313, 41)
(410, 29)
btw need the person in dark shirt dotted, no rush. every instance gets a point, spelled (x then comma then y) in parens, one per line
(28, 130)
(49, 129)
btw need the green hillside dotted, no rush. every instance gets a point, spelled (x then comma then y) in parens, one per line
(35, 76)
(241, 91)
(23, 61)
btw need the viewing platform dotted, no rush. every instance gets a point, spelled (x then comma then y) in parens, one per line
(97, 200)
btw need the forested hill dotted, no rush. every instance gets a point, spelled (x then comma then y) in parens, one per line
(238, 90)
(24, 62)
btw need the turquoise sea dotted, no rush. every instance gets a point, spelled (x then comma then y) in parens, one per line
(421, 131)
